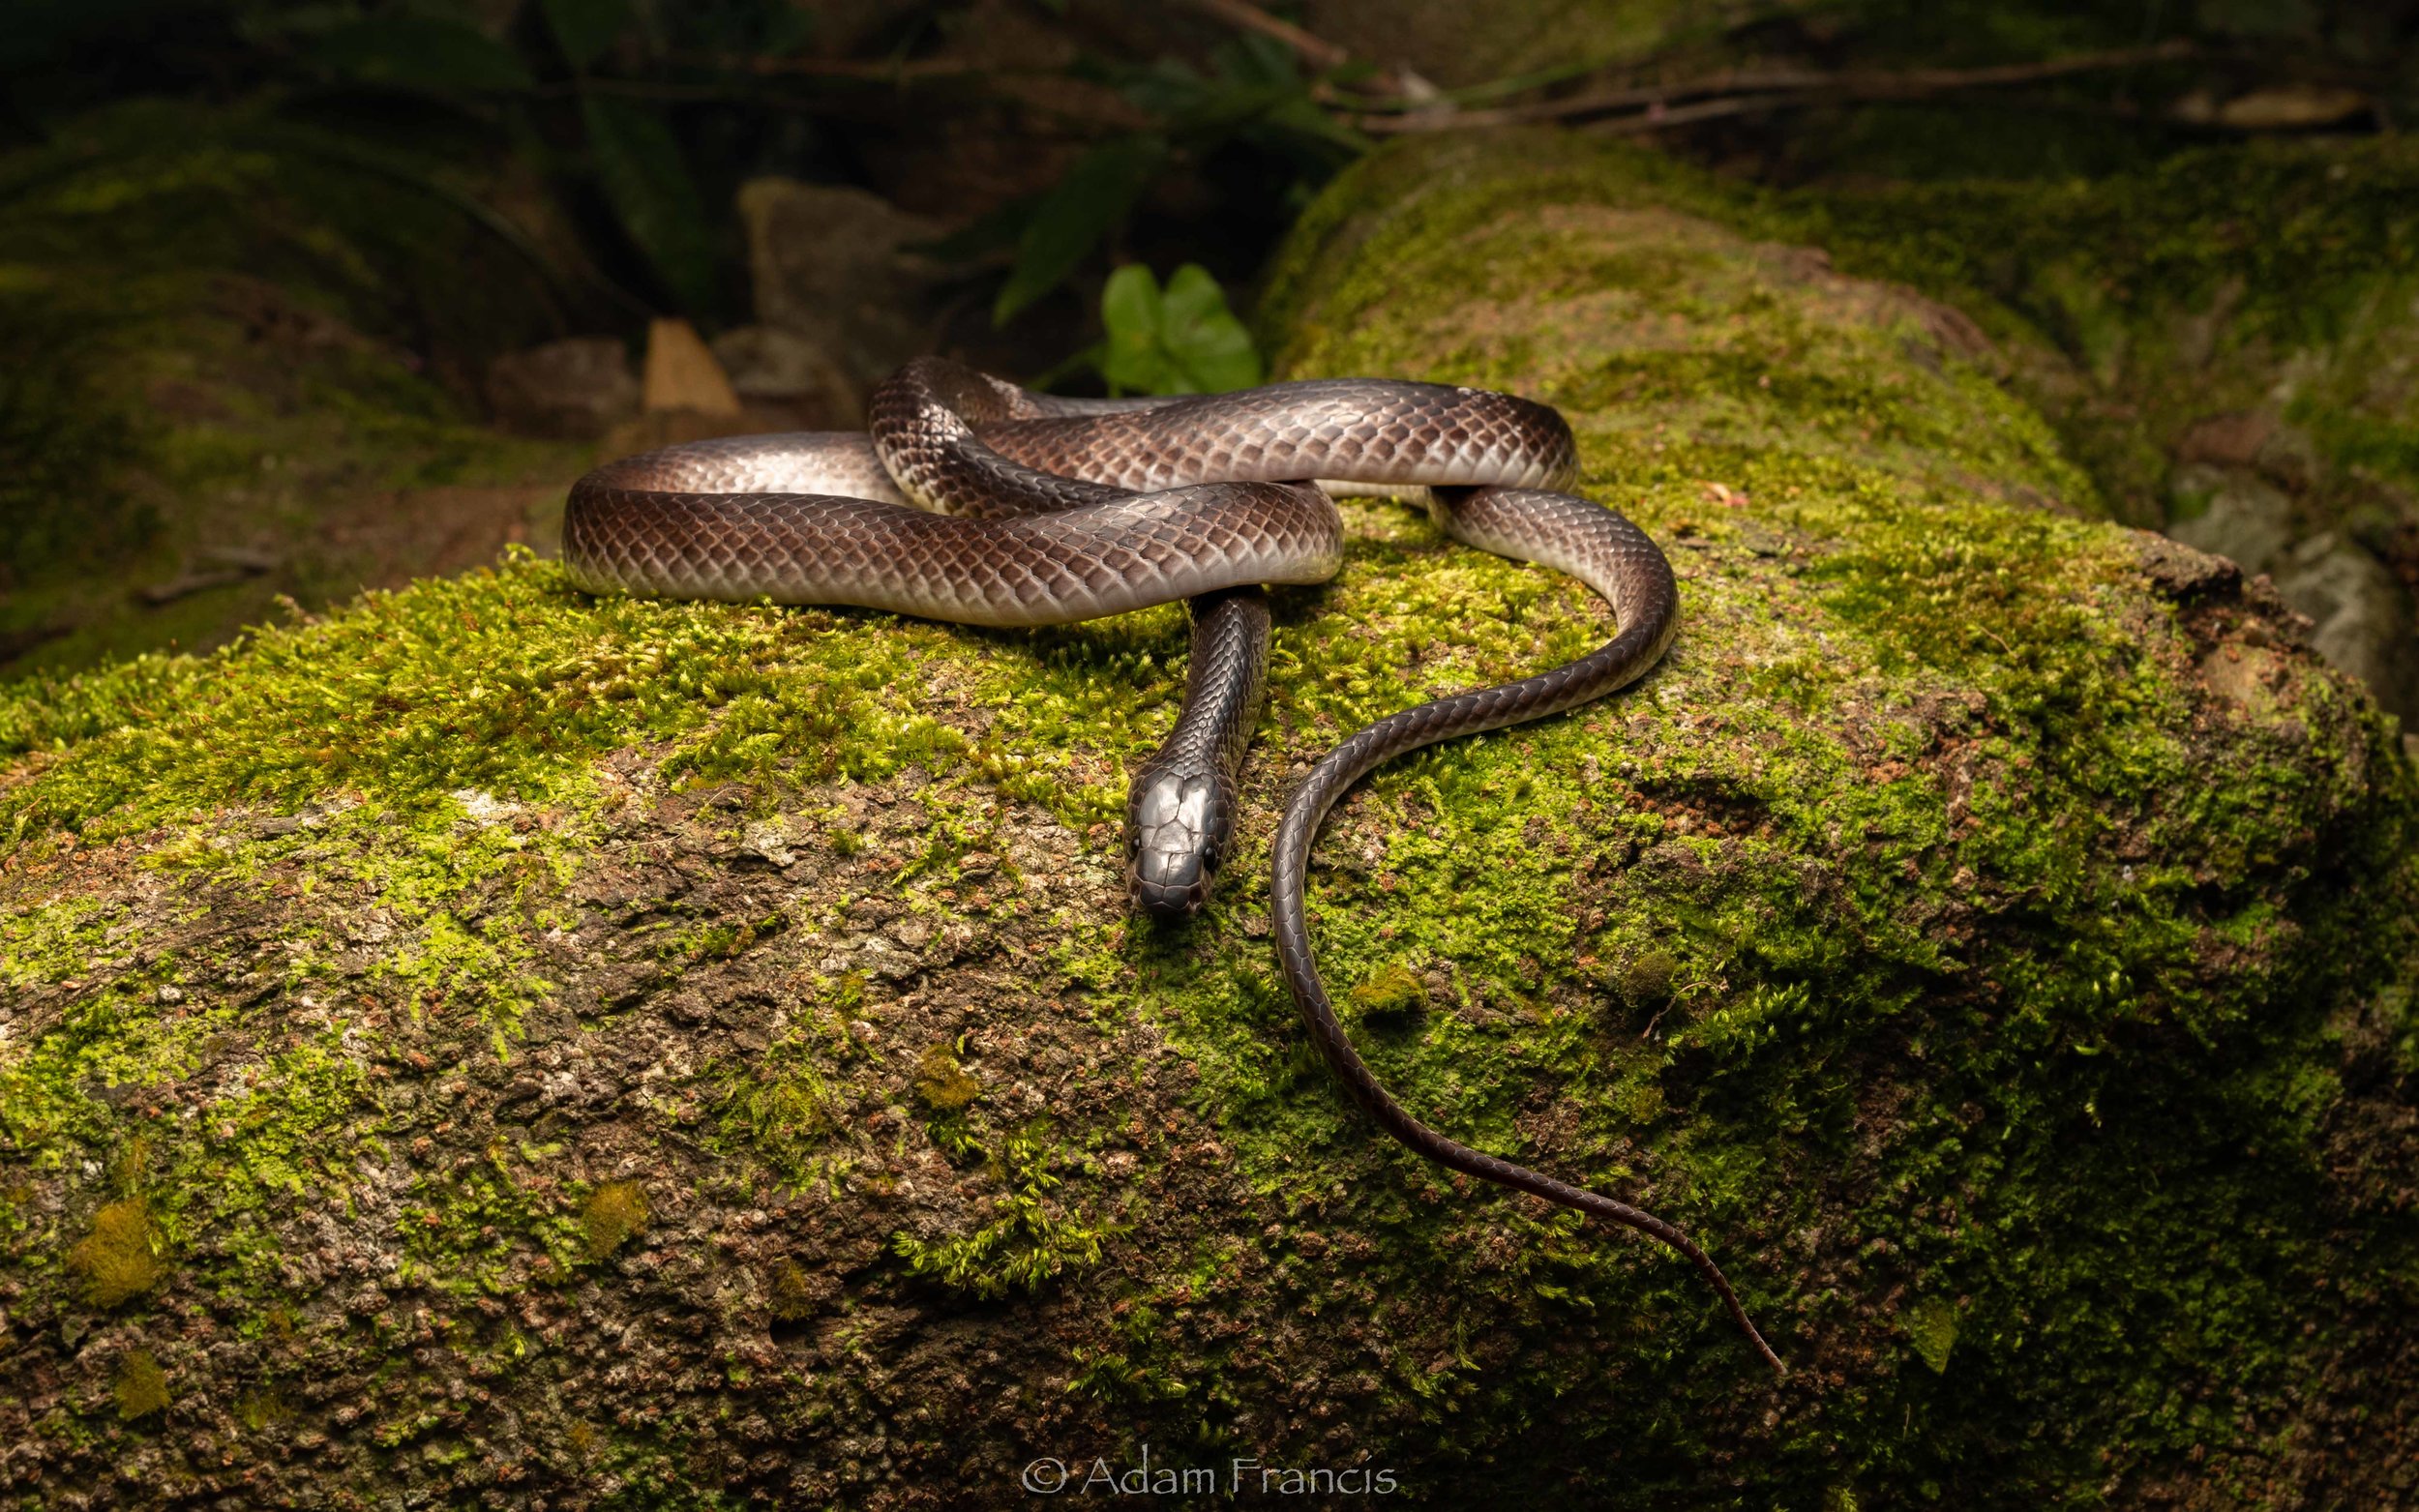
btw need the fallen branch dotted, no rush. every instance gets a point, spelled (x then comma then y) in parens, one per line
(1790, 86)
(1321, 56)
(1658, 118)
(2218, 124)
(878, 71)
(1317, 51)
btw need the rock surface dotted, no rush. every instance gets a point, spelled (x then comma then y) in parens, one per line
(2359, 611)
(2361, 616)
(776, 366)
(832, 267)
(576, 389)
(492, 1044)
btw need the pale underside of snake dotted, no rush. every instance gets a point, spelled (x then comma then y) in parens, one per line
(975, 501)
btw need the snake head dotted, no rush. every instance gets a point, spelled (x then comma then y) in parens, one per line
(1175, 822)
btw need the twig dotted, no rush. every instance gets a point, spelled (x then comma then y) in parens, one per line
(1657, 118)
(881, 71)
(1798, 85)
(1411, 92)
(1606, 101)
(1317, 51)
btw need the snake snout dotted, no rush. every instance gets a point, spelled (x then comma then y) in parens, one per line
(1172, 841)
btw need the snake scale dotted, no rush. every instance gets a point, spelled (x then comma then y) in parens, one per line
(972, 500)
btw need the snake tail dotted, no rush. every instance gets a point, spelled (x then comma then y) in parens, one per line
(1614, 557)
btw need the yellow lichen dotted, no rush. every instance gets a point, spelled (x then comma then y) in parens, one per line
(945, 1085)
(613, 1213)
(142, 1386)
(117, 1261)
(1390, 992)
(793, 1292)
(261, 1407)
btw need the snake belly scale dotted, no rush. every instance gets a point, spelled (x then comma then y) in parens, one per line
(972, 500)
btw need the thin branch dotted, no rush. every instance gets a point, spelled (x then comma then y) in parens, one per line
(1411, 92)
(1317, 51)
(1795, 84)
(879, 70)
(1658, 118)
(1603, 102)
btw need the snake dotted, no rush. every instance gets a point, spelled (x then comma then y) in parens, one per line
(973, 500)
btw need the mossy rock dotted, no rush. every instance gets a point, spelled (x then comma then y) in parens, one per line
(2254, 306)
(2236, 325)
(1985, 931)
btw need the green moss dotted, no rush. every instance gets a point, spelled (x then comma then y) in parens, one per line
(119, 1261)
(784, 1105)
(142, 1387)
(1646, 982)
(612, 1214)
(64, 435)
(2281, 269)
(469, 1229)
(263, 1408)
(1860, 598)
(1031, 1239)
(721, 941)
(204, 325)
(783, 1110)
(1931, 1327)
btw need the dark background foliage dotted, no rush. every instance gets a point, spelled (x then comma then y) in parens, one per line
(458, 179)
(1080, 135)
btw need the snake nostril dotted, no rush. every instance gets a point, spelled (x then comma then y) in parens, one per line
(1168, 903)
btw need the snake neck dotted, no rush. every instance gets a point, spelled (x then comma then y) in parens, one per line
(1180, 809)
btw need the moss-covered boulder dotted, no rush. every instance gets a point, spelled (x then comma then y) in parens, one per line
(2249, 306)
(2230, 341)
(491, 1043)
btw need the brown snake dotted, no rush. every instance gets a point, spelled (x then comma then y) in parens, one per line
(975, 501)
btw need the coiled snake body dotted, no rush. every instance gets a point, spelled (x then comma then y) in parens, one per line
(975, 501)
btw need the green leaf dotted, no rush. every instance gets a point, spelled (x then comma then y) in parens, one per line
(638, 164)
(584, 28)
(1183, 340)
(1097, 193)
(1210, 347)
(423, 52)
(1132, 358)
